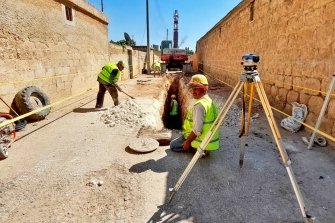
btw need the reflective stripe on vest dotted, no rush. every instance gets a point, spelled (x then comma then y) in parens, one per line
(174, 110)
(210, 116)
(106, 71)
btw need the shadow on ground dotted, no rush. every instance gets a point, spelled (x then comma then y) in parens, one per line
(85, 110)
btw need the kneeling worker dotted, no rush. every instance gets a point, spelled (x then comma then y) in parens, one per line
(198, 120)
(108, 78)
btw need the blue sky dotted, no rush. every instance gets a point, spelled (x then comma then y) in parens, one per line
(196, 17)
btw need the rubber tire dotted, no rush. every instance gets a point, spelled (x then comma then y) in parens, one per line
(24, 105)
(20, 124)
(3, 152)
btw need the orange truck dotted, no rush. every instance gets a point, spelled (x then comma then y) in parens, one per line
(173, 58)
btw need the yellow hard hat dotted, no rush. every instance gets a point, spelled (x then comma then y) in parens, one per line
(198, 81)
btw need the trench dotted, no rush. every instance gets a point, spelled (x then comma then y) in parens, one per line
(174, 121)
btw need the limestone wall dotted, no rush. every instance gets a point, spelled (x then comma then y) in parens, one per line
(134, 59)
(296, 42)
(38, 46)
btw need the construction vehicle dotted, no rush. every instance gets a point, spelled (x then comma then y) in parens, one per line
(174, 58)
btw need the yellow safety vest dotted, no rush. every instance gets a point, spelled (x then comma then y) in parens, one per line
(157, 64)
(174, 110)
(106, 71)
(210, 116)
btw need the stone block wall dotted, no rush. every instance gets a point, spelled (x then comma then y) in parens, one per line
(134, 58)
(39, 46)
(296, 42)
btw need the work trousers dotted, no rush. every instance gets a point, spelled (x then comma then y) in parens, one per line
(173, 122)
(101, 94)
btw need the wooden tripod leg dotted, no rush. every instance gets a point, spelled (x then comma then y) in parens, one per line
(250, 106)
(216, 125)
(246, 131)
(282, 151)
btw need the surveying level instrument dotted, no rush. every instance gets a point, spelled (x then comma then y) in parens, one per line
(250, 78)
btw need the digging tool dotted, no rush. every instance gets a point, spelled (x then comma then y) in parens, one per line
(9, 107)
(250, 75)
(127, 95)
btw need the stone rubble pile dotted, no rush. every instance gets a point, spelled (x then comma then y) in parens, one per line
(233, 117)
(129, 114)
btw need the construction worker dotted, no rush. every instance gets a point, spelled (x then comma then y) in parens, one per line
(173, 115)
(157, 67)
(198, 120)
(108, 78)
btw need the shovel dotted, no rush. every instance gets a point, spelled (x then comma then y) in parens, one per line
(127, 95)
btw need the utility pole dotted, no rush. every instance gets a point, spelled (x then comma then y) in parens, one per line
(102, 5)
(148, 42)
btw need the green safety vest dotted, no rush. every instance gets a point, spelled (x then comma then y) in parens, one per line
(106, 71)
(157, 64)
(174, 110)
(210, 116)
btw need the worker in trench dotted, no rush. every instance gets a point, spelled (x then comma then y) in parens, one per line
(173, 114)
(199, 119)
(108, 78)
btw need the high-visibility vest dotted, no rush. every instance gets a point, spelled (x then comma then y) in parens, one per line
(210, 116)
(157, 64)
(106, 71)
(174, 110)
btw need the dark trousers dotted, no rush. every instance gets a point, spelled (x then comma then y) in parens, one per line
(101, 94)
(173, 122)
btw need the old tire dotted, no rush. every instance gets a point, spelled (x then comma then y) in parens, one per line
(29, 99)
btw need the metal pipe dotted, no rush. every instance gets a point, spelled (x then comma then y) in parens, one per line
(148, 40)
(323, 110)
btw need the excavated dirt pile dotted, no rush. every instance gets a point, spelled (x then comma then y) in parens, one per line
(128, 113)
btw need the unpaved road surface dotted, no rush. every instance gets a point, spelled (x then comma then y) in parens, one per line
(53, 171)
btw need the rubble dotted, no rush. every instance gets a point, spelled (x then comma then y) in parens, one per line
(129, 114)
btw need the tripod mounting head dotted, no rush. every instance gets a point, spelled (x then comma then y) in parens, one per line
(250, 61)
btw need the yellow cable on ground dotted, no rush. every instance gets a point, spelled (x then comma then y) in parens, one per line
(43, 108)
(304, 124)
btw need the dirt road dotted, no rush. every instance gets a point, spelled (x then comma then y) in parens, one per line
(75, 168)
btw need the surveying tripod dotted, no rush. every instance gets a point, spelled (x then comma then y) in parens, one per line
(251, 78)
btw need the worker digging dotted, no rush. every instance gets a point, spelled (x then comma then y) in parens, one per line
(108, 78)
